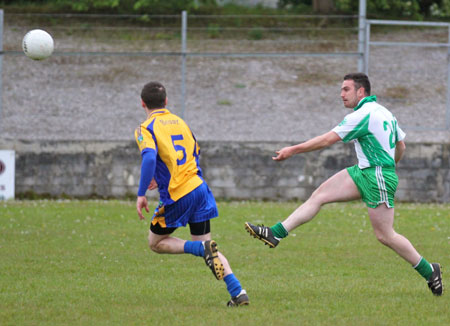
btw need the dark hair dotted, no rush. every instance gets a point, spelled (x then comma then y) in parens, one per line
(154, 95)
(360, 80)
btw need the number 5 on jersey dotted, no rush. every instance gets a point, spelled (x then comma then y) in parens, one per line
(179, 148)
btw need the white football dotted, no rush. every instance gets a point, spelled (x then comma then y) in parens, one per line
(37, 44)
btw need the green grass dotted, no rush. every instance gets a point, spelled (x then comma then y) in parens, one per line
(87, 263)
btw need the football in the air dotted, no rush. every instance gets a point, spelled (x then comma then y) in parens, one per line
(37, 44)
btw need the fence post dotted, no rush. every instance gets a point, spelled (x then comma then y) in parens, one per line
(361, 35)
(183, 61)
(447, 114)
(367, 49)
(1, 65)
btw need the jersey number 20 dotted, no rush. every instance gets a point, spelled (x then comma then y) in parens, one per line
(393, 129)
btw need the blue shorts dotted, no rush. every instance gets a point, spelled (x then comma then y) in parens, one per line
(197, 206)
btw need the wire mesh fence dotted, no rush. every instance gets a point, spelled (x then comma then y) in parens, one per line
(206, 33)
(238, 78)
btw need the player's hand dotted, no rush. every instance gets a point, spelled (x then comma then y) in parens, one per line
(283, 154)
(141, 202)
(153, 185)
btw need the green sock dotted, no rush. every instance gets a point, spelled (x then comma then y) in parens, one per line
(424, 269)
(279, 231)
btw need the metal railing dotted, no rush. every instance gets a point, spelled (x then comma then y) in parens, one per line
(362, 54)
(184, 53)
(368, 43)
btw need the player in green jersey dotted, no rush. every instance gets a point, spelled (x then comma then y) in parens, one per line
(379, 146)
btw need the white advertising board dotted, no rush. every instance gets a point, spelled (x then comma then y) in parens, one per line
(7, 174)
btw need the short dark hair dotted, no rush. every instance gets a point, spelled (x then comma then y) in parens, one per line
(360, 80)
(154, 95)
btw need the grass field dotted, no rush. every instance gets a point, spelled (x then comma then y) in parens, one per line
(87, 263)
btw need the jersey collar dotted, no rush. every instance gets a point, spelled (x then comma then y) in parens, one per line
(365, 100)
(158, 112)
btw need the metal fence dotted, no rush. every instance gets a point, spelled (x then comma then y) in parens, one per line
(445, 121)
(192, 41)
(210, 27)
(307, 41)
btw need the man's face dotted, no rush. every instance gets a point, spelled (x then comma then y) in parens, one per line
(349, 95)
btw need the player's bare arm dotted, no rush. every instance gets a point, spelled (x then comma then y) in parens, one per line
(313, 144)
(399, 150)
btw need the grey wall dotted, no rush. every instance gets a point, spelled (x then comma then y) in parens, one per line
(233, 170)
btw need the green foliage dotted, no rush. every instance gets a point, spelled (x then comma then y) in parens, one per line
(90, 5)
(414, 9)
(213, 30)
(163, 6)
(152, 7)
(149, 7)
(383, 8)
(255, 34)
(442, 10)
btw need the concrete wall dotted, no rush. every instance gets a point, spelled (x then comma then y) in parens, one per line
(233, 170)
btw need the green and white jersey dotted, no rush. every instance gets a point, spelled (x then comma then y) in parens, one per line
(375, 132)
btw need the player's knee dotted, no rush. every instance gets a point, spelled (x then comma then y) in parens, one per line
(155, 246)
(383, 238)
(317, 198)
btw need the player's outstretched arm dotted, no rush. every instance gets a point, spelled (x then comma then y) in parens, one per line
(313, 144)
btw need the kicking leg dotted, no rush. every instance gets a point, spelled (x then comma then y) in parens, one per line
(339, 187)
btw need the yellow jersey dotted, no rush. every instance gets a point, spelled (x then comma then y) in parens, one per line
(177, 170)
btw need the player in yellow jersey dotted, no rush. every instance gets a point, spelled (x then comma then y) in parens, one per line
(170, 162)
